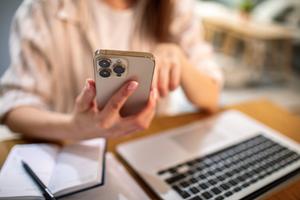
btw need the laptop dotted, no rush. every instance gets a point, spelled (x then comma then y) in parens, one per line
(228, 156)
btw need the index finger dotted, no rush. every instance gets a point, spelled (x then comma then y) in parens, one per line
(142, 120)
(116, 102)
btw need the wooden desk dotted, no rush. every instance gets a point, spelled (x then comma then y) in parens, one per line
(262, 110)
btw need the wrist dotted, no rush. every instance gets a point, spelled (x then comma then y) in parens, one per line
(73, 127)
(67, 127)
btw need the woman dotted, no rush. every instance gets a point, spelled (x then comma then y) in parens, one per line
(52, 43)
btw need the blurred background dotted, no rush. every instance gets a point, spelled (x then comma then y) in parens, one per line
(257, 44)
(258, 47)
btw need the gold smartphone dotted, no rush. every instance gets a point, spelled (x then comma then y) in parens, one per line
(114, 68)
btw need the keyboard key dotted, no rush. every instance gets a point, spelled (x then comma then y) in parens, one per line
(224, 186)
(244, 176)
(194, 190)
(203, 186)
(172, 170)
(219, 198)
(232, 182)
(207, 195)
(210, 173)
(196, 198)
(212, 181)
(229, 193)
(215, 190)
(221, 178)
(202, 176)
(228, 174)
(236, 180)
(176, 188)
(191, 172)
(236, 189)
(161, 172)
(193, 180)
(175, 178)
(246, 184)
(253, 180)
(184, 184)
(184, 194)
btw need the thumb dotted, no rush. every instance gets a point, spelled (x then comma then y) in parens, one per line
(85, 99)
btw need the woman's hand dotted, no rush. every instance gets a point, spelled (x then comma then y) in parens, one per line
(173, 69)
(169, 59)
(89, 122)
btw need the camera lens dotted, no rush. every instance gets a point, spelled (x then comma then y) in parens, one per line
(105, 73)
(104, 63)
(119, 69)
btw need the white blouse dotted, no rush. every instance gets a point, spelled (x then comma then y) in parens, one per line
(52, 44)
(114, 31)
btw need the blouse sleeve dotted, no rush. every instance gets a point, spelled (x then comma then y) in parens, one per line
(27, 80)
(186, 31)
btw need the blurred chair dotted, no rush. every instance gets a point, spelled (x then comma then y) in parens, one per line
(265, 48)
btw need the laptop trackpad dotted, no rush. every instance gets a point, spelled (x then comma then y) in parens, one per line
(201, 138)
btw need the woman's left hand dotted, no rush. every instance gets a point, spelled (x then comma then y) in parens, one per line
(169, 60)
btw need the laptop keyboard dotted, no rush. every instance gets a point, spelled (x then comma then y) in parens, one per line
(230, 170)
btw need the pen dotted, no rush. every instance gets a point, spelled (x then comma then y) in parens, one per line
(46, 192)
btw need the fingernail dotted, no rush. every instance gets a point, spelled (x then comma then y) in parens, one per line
(88, 84)
(132, 85)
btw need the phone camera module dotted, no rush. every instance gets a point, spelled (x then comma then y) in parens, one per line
(119, 69)
(105, 73)
(104, 63)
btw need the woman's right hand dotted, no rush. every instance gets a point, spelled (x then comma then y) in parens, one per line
(88, 121)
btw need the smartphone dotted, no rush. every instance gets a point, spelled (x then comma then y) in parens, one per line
(112, 69)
